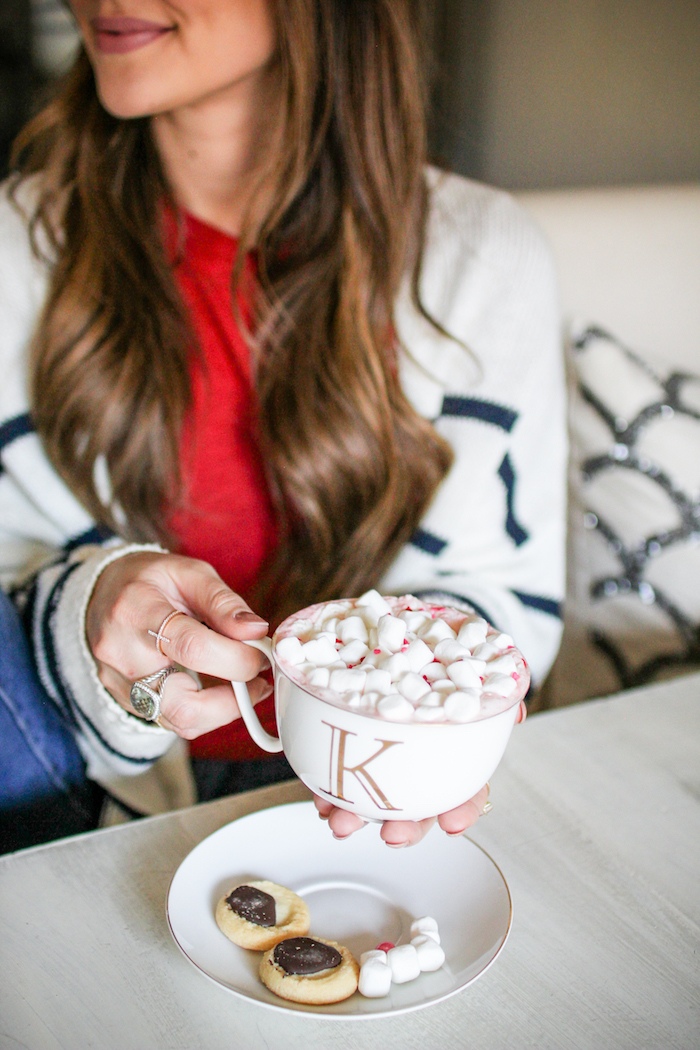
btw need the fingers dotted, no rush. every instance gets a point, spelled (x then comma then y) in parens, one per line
(185, 709)
(190, 712)
(400, 833)
(522, 713)
(136, 593)
(456, 821)
(396, 833)
(191, 644)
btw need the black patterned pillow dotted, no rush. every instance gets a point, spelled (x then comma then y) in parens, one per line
(633, 601)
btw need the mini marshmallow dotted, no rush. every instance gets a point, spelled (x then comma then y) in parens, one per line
(429, 713)
(434, 671)
(448, 651)
(503, 641)
(320, 677)
(426, 925)
(369, 616)
(486, 651)
(433, 699)
(374, 600)
(378, 680)
(472, 632)
(330, 611)
(354, 699)
(415, 620)
(352, 629)
(437, 631)
(371, 699)
(320, 651)
(375, 976)
(430, 954)
(346, 681)
(391, 632)
(332, 625)
(504, 664)
(463, 705)
(395, 708)
(403, 960)
(353, 652)
(373, 953)
(290, 649)
(464, 674)
(501, 684)
(302, 627)
(444, 686)
(418, 655)
(413, 687)
(397, 666)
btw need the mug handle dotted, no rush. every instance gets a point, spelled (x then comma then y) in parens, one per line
(263, 739)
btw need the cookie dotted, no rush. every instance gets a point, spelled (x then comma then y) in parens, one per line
(257, 915)
(310, 970)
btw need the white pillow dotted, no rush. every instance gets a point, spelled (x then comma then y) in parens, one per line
(633, 598)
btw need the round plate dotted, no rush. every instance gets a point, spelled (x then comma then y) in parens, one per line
(359, 892)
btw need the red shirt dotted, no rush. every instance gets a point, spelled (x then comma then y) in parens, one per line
(226, 516)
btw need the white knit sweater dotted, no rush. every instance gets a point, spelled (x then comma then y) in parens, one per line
(493, 536)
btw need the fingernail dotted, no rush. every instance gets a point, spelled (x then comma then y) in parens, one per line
(321, 817)
(246, 616)
(397, 845)
(455, 834)
(340, 838)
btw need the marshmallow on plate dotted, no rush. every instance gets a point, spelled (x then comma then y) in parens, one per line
(403, 960)
(430, 954)
(426, 924)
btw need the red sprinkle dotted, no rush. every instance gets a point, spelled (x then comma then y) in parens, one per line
(385, 946)
(516, 676)
(404, 648)
(376, 652)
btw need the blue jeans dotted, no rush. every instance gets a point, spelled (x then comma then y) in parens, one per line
(44, 792)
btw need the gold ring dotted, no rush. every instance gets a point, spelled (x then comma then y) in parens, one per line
(158, 635)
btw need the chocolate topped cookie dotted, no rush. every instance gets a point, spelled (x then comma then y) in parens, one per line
(259, 914)
(310, 970)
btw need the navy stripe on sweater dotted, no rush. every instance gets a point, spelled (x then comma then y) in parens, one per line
(427, 541)
(15, 428)
(486, 411)
(536, 601)
(513, 527)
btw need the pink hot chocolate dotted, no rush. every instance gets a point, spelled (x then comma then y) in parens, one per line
(402, 659)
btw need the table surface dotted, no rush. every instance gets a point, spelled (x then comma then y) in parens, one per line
(595, 825)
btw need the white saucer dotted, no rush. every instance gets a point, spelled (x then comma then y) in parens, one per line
(359, 892)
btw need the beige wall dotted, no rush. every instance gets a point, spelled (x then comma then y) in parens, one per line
(574, 92)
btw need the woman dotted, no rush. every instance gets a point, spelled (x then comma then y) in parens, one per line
(242, 322)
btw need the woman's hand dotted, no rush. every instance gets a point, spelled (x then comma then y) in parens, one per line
(399, 833)
(133, 595)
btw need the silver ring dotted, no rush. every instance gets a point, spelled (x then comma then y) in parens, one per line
(146, 693)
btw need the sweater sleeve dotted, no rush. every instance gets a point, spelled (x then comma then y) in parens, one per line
(50, 551)
(493, 537)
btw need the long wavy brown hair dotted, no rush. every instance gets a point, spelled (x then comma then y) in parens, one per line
(351, 464)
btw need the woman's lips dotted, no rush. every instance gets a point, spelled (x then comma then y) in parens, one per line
(116, 36)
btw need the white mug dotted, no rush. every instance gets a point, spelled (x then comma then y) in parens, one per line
(379, 769)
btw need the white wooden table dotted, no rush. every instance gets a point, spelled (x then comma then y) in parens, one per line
(596, 826)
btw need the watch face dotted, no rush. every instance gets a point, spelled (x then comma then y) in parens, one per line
(142, 700)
